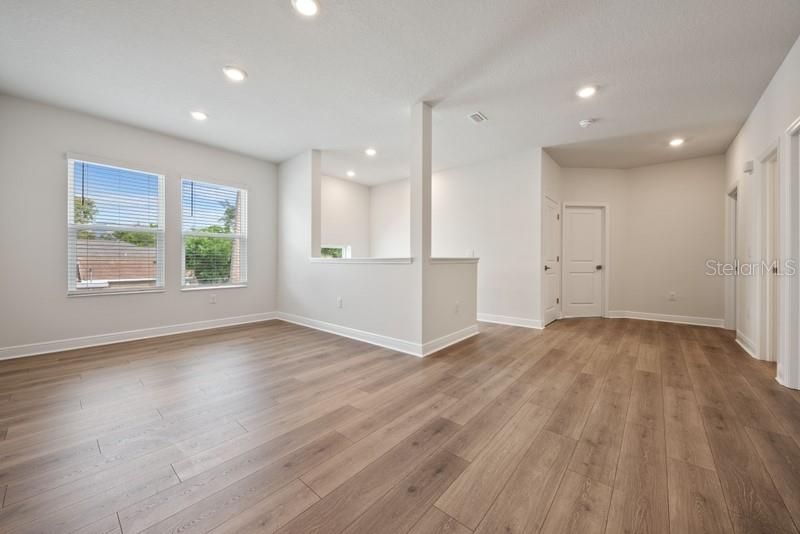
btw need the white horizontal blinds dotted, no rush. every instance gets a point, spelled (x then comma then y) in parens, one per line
(115, 235)
(214, 226)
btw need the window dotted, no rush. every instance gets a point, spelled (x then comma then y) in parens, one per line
(214, 226)
(115, 229)
(335, 252)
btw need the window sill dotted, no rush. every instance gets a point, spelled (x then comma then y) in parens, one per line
(206, 288)
(98, 293)
(454, 260)
(360, 260)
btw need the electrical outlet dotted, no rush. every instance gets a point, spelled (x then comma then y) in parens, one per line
(339, 302)
(212, 298)
(673, 296)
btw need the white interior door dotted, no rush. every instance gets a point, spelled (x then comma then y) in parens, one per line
(583, 261)
(770, 338)
(551, 250)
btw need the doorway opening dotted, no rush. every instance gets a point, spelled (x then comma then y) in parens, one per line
(585, 265)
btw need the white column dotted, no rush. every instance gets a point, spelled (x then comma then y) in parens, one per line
(420, 182)
(316, 203)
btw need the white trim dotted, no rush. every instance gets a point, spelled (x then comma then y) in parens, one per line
(450, 339)
(746, 344)
(665, 318)
(454, 260)
(18, 351)
(80, 293)
(400, 345)
(731, 282)
(511, 321)
(318, 259)
(392, 343)
(211, 288)
(788, 372)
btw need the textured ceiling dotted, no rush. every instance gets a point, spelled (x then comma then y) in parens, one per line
(345, 79)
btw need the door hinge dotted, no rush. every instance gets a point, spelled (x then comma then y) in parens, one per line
(557, 259)
(558, 300)
(774, 269)
(558, 216)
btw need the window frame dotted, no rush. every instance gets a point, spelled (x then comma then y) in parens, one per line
(347, 252)
(243, 255)
(160, 232)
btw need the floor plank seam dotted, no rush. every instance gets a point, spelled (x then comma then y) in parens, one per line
(309, 487)
(450, 516)
(664, 433)
(180, 480)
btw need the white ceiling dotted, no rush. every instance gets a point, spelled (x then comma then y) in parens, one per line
(345, 79)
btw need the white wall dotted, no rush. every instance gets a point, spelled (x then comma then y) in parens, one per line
(609, 186)
(389, 218)
(492, 210)
(675, 224)
(776, 110)
(666, 221)
(345, 213)
(34, 139)
(376, 298)
(380, 301)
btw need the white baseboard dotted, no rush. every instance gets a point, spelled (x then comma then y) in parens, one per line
(787, 384)
(399, 345)
(450, 339)
(664, 318)
(511, 321)
(32, 349)
(747, 344)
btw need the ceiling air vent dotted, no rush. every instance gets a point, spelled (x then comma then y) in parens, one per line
(477, 117)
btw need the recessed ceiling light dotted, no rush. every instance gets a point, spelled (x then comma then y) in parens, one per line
(371, 152)
(677, 142)
(234, 74)
(307, 8)
(351, 174)
(199, 115)
(587, 92)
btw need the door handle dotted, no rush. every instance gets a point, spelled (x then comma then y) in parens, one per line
(546, 267)
(598, 267)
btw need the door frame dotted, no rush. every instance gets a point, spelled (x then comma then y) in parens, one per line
(559, 248)
(768, 241)
(731, 254)
(789, 250)
(605, 214)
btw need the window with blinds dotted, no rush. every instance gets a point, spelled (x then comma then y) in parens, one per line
(214, 226)
(115, 229)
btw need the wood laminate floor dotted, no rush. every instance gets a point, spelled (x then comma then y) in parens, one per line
(591, 425)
